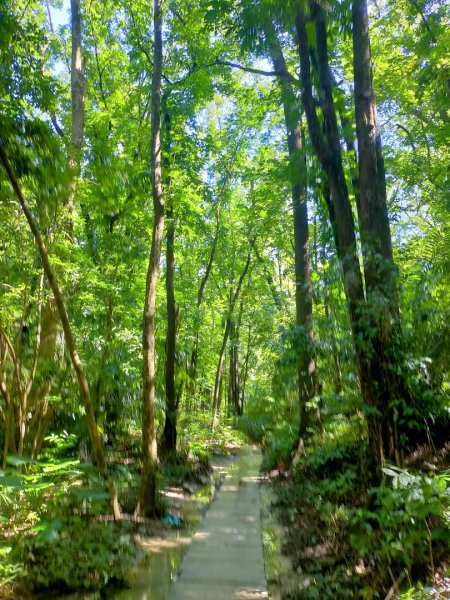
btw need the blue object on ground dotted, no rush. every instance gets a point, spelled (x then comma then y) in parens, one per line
(171, 520)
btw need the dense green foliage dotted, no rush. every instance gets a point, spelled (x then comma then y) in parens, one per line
(227, 179)
(349, 540)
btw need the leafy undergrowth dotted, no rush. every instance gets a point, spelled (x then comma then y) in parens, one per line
(52, 532)
(349, 540)
(99, 554)
(198, 440)
(56, 529)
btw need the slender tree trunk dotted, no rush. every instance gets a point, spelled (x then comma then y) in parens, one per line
(77, 85)
(337, 374)
(45, 418)
(219, 372)
(169, 443)
(170, 426)
(194, 355)
(36, 401)
(307, 377)
(231, 370)
(147, 500)
(234, 384)
(270, 282)
(83, 385)
(200, 295)
(245, 369)
(9, 441)
(42, 381)
(41, 385)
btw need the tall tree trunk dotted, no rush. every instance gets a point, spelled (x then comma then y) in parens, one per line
(77, 85)
(42, 381)
(245, 369)
(373, 313)
(379, 268)
(328, 151)
(234, 383)
(147, 500)
(83, 385)
(169, 442)
(200, 295)
(41, 385)
(307, 377)
(219, 371)
(9, 446)
(170, 426)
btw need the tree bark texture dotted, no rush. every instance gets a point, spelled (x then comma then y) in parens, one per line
(77, 89)
(379, 267)
(147, 500)
(169, 440)
(328, 150)
(97, 444)
(170, 426)
(307, 378)
(42, 381)
(8, 415)
(245, 369)
(219, 372)
(234, 393)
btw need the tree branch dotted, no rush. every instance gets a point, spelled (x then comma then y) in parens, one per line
(233, 65)
(408, 133)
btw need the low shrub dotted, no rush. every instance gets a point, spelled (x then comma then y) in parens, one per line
(76, 555)
(410, 519)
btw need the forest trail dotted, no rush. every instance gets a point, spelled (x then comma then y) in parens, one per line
(225, 558)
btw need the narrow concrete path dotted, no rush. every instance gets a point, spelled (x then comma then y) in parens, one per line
(225, 558)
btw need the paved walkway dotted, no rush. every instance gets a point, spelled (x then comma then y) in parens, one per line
(225, 559)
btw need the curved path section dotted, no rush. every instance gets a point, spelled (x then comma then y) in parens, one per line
(225, 558)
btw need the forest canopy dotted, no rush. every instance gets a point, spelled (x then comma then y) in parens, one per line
(227, 218)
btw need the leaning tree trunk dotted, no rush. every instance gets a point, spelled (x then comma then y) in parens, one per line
(37, 401)
(147, 499)
(306, 370)
(83, 385)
